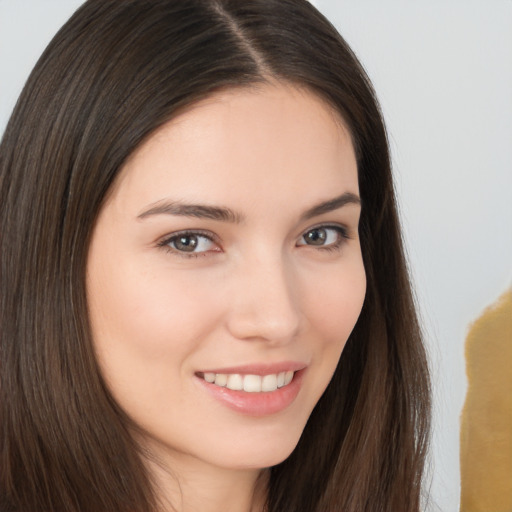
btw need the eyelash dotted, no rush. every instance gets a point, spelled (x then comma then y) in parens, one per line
(165, 243)
(342, 232)
(335, 246)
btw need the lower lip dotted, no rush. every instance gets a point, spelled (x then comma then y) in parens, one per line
(257, 404)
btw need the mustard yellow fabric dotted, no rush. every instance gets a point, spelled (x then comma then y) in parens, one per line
(486, 427)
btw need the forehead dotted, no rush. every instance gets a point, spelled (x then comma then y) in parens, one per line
(247, 141)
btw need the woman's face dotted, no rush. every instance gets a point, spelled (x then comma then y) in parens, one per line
(225, 275)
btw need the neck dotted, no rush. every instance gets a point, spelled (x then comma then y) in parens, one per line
(186, 484)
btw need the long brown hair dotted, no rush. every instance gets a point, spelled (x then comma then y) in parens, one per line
(111, 76)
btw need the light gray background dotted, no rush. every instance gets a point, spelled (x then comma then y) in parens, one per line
(443, 72)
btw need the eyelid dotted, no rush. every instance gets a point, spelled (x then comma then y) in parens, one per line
(342, 230)
(165, 242)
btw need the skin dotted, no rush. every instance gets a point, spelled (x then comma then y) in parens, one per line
(256, 291)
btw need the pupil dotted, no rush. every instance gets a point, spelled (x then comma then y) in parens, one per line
(186, 243)
(316, 236)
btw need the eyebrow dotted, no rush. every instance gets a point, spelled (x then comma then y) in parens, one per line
(331, 205)
(223, 214)
(200, 211)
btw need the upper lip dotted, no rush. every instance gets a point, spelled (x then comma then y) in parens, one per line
(259, 368)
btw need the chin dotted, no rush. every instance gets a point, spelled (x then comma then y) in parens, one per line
(259, 448)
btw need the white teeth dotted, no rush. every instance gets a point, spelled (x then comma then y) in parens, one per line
(269, 383)
(250, 383)
(221, 379)
(235, 382)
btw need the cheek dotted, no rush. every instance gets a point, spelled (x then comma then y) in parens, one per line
(337, 303)
(140, 317)
(333, 310)
(145, 328)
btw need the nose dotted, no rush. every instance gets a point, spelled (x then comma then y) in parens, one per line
(264, 302)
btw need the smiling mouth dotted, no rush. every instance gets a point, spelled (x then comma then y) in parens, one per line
(249, 383)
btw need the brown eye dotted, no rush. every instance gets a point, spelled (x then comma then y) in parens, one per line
(324, 237)
(186, 243)
(190, 243)
(316, 236)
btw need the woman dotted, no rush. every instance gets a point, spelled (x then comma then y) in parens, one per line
(198, 223)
